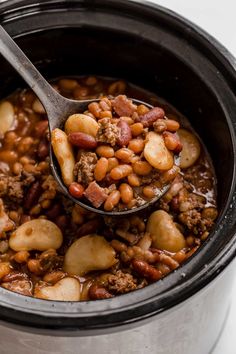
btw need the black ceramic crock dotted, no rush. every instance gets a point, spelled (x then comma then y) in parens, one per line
(158, 50)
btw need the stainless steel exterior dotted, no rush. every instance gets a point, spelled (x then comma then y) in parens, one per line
(189, 328)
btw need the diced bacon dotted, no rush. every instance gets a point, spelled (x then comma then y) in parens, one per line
(95, 194)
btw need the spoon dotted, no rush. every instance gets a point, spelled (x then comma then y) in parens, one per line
(58, 109)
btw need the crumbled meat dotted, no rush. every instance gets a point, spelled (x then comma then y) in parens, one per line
(121, 282)
(107, 132)
(11, 187)
(84, 169)
(123, 106)
(49, 260)
(190, 218)
(95, 194)
(5, 223)
(200, 176)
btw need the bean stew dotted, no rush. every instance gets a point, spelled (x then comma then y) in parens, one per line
(53, 249)
(117, 155)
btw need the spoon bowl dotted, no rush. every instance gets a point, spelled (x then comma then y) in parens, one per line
(58, 109)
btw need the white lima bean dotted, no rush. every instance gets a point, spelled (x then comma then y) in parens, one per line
(66, 289)
(7, 116)
(64, 154)
(165, 235)
(191, 148)
(156, 153)
(37, 234)
(81, 123)
(90, 252)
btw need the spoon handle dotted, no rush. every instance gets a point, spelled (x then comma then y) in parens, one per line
(14, 55)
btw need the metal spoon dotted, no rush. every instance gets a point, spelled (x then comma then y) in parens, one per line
(58, 109)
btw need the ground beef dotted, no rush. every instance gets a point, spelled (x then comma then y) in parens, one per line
(123, 106)
(121, 282)
(50, 260)
(107, 132)
(11, 187)
(84, 169)
(190, 218)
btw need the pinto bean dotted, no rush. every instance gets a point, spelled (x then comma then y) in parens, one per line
(126, 193)
(121, 171)
(112, 200)
(105, 151)
(101, 169)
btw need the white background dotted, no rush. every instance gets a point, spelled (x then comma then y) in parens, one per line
(219, 19)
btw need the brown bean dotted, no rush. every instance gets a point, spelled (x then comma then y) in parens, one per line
(151, 116)
(160, 126)
(8, 156)
(105, 104)
(136, 129)
(112, 200)
(128, 120)
(124, 154)
(146, 270)
(126, 193)
(40, 128)
(53, 277)
(142, 168)
(32, 195)
(148, 192)
(105, 151)
(105, 114)
(134, 180)
(89, 227)
(118, 246)
(95, 109)
(34, 266)
(97, 292)
(172, 125)
(21, 256)
(125, 133)
(142, 109)
(112, 162)
(101, 169)
(43, 149)
(172, 142)
(120, 172)
(136, 145)
(76, 190)
(82, 140)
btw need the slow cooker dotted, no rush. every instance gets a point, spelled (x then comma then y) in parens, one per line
(158, 50)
